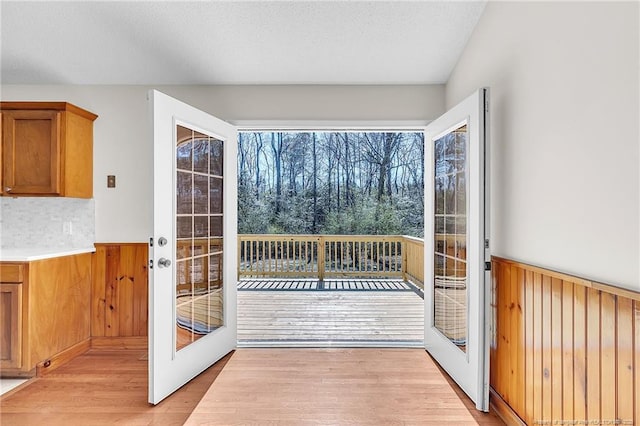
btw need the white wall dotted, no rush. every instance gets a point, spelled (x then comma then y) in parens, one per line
(565, 139)
(122, 145)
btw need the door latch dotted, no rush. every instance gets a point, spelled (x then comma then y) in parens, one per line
(164, 263)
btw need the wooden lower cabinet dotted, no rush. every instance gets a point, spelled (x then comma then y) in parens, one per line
(46, 313)
(11, 317)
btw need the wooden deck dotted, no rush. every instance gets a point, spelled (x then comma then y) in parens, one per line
(299, 312)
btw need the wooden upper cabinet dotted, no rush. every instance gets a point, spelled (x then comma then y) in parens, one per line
(47, 149)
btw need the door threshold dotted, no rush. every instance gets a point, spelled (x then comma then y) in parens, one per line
(321, 343)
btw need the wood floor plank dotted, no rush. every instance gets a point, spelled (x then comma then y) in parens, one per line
(251, 386)
(102, 387)
(335, 386)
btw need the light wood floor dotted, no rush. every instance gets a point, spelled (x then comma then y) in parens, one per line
(101, 387)
(339, 317)
(334, 387)
(250, 386)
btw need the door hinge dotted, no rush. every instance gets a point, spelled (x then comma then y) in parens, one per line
(487, 266)
(151, 242)
(486, 243)
(150, 263)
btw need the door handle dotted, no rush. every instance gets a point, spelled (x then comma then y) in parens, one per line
(163, 263)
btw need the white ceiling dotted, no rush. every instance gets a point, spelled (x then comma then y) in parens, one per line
(233, 42)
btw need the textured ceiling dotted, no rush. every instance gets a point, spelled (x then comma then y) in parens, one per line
(216, 42)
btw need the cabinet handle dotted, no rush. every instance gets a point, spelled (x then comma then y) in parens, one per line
(7, 189)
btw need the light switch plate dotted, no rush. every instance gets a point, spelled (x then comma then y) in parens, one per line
(111, 181)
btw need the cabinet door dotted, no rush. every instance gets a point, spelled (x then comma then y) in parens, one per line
(31, 152)
(10, 326)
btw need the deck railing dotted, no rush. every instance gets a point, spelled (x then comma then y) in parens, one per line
(414, 260)
(331, 256)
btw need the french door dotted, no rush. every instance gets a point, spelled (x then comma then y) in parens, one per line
(456, 245)
(192, 284)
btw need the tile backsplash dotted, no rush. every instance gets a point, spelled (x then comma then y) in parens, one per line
(46, 222)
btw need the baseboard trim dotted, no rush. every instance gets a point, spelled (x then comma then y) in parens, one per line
(61, 358)
(14, 373)
(502, 409)
(132, 342)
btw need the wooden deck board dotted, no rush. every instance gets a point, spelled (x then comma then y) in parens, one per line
(352, 316)
(354, 284)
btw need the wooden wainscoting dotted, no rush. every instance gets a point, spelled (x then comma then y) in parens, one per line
(119, 302)
(564, 349)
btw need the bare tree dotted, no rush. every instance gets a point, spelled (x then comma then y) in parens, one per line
(277, 148)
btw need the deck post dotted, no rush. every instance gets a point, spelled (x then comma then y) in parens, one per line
(321, 249)
(239, 261)
(404, 258)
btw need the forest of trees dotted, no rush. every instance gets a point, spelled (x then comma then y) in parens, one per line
(367, 183)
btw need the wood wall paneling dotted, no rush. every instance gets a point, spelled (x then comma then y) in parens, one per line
(546, 347)
(556, 375)
(493, 344)
(624, 361)
(608, 349)
(537, 350)
(119, 306)
(518, 279)
(593, 354)
(98, 283)
(565, 392)
(579, 352)
(636, 360)
(567, 350)
(528, 343)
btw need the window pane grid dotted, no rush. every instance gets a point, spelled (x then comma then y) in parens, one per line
(199, 236)
(450, 236)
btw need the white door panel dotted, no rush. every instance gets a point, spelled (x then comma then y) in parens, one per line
(456, 224)
(192, 285)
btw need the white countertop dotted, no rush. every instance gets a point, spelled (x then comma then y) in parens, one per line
(39, 253)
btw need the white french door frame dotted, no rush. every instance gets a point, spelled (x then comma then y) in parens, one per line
(286, 125)
(170, 368)
(469, 368)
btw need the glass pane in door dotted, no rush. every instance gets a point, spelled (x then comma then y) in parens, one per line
(199, 234)
(450, 236)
